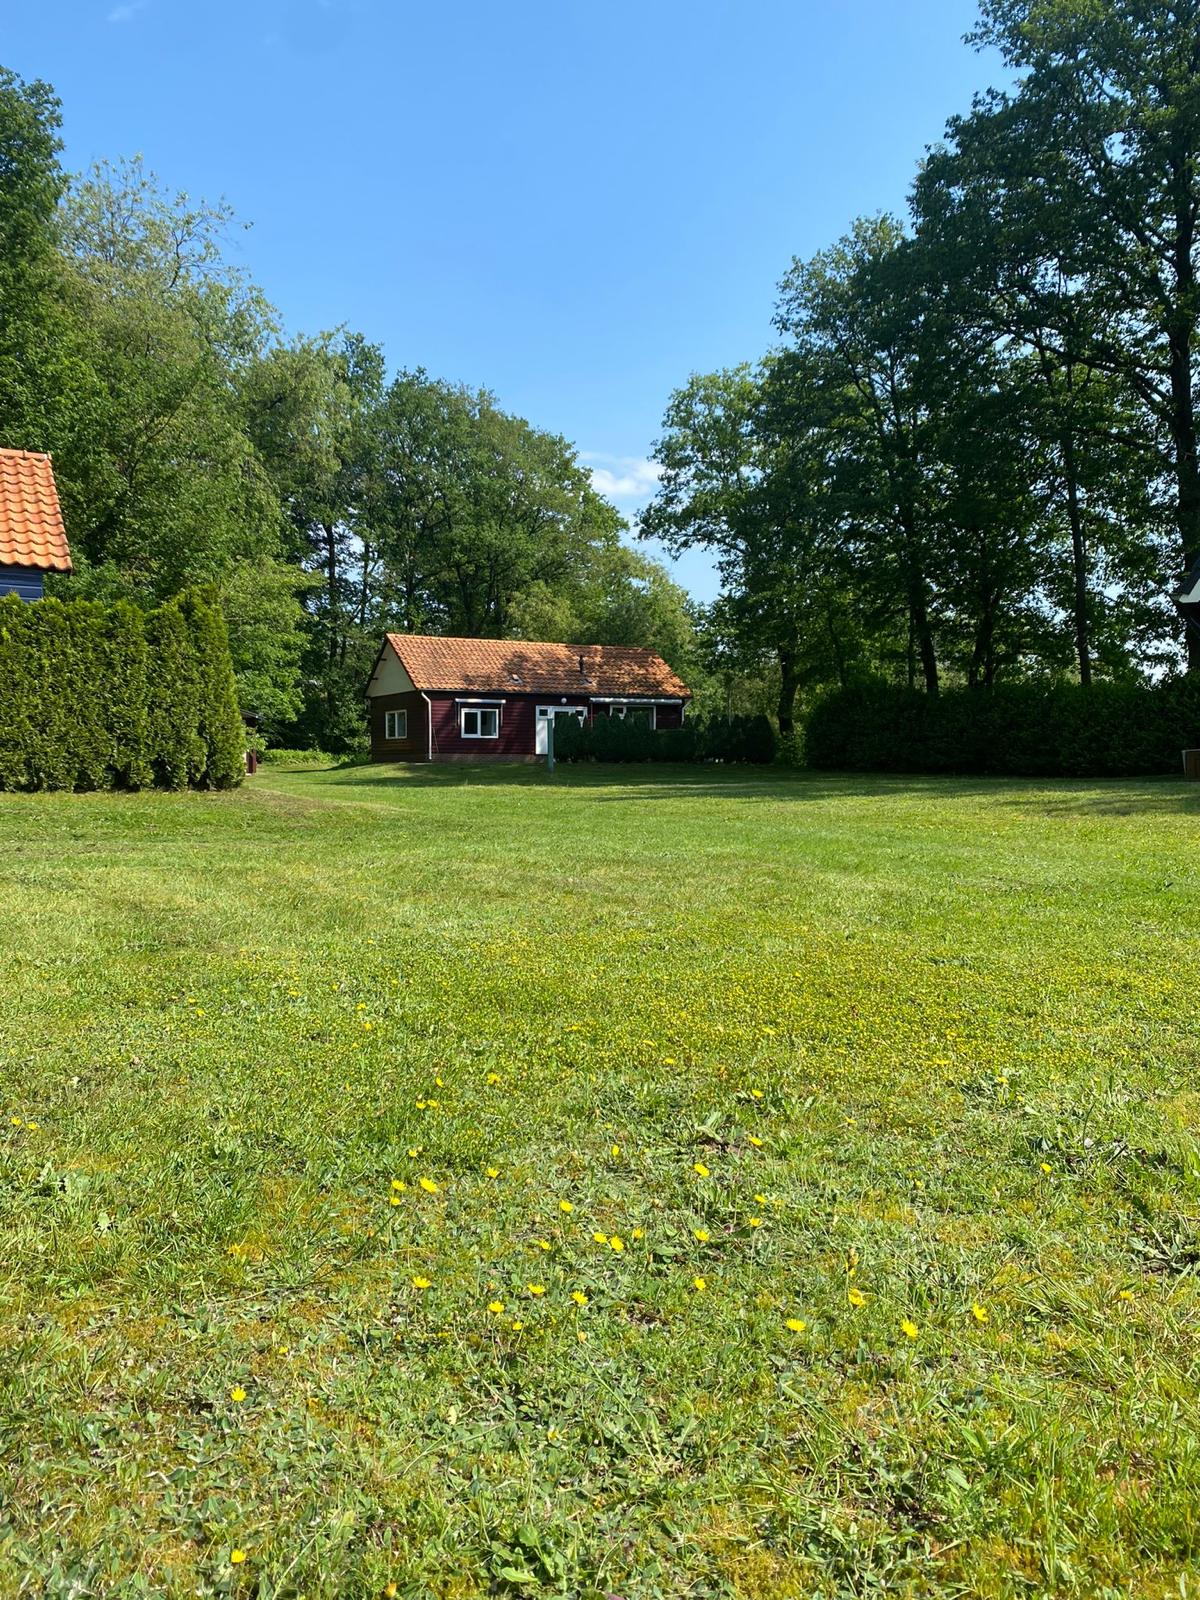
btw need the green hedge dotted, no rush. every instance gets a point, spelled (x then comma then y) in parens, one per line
(743, 739)
(1036, 729)
(96, 696)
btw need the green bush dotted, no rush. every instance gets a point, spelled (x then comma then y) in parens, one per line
(99, 696)
(1035, 729)
(630, 738)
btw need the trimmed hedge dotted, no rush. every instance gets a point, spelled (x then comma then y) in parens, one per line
(742, 739)
(96, 696)
(1035, 729)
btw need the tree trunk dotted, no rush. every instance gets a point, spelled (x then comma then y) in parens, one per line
(923, 636)
(1078, 558)
(331, 582)
(1187, 468)
(789, 682)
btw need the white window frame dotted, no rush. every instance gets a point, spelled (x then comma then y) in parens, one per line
(395, 724)
(479, 713)
(622, 708)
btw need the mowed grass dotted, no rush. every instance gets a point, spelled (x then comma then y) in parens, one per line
(637, 1183)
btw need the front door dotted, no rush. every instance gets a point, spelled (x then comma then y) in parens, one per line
(542, 725)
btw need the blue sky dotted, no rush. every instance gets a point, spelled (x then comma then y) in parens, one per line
(573, 204)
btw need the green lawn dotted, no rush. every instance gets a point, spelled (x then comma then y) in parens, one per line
(713, 1082)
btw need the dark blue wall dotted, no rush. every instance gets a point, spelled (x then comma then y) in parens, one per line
(25, 581)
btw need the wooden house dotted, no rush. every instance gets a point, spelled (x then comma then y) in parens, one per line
(434, 699)
(33, 540)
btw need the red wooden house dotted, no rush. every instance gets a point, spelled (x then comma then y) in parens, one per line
(436, 699)
(33, 540)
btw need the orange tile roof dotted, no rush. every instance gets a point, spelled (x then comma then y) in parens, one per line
(516, 666)
(31, 524)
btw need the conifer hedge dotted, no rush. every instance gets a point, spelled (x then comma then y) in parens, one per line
(631, 738)
(99, 696)
(1033, 729)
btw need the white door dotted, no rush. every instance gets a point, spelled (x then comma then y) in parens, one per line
(542, 725)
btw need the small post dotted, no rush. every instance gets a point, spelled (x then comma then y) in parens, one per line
(550, 721)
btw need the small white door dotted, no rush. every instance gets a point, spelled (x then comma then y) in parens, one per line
(542, 725)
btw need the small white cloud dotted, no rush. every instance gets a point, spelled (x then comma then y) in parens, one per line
(622, 477)
(126, 12)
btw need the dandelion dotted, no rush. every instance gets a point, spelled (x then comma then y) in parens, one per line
(1046, 1167)
(616, 1243)
(536, 1288)
(616, 1151)
(565, 1206)
(909, 1328)
(638, 1233)
(518, 1327)
(542, 1244)
(702, 1234)
(855, 1296)
(795, 1325)
(493, 1172)
(579, 1297)
(421, 1283)
(413, 1152)
(237, 1557)
(496, 1307)
(756, 1142)
(1125, 1294)
(493, 1077)
(760, 1199)
(700, 1169)
(237, 1394)
(390, 1591)
(699, 1284)
(438, 1083)
(600, 1238)
(399, 1185)
(756, 1094)
(979, 1312)
(429, 1186)
(668, 1061)
(394, 1199)
(755, 1222)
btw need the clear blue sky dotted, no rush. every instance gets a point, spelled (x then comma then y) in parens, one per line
(573, 204)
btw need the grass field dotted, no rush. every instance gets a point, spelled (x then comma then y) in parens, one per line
(642, 1183)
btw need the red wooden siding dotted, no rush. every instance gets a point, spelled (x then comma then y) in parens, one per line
(415, 747)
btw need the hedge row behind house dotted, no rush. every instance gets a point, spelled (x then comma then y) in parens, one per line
(631, 738)
(99, 696)
(1036, 729)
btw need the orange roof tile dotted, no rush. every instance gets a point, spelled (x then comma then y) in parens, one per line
(517, 666)
(31, 524)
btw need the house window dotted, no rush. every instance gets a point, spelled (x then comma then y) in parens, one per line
(480, 722)
(395, 725)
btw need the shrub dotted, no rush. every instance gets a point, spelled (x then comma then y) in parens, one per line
(741, 739)
(99, 695)
(1035, 729)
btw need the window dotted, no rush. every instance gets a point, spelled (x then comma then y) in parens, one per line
(480, 722)
(395, 724)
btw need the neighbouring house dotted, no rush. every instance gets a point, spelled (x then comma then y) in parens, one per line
(33, 540)
(469, 699)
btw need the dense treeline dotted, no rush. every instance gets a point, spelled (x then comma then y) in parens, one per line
(971, 457)
(111, 696)
(325, 500)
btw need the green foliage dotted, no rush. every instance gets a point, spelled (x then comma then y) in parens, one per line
(102, 696)
(1025, 729)
(727, 739)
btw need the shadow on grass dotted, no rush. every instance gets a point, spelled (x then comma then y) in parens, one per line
(632, 783)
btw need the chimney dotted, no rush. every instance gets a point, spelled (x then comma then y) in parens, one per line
(581, 667)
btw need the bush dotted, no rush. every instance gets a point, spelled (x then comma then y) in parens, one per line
(630, 738)
(100, 696)
(1036, 729)
(279, 757)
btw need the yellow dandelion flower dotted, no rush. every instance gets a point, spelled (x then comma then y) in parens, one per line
(237, 1394)
(496, 1307)
(755, 1222)
(542, 1244)
(795, 1325)
(517, 1327)
(493, 1077)
(616, 1243)
(414, 1151)
(600, 1238)
(429, 1186)
(390, 1591)
(702, 1234)
(616, 1151)
(756, 1094)
(1046, 1167)
(438, 1083)
(399, 1185)
(237, 1557)
(1125, 1294)
(668, 1061)
(421, 1283)
(565, 1205)
(638, 1233)
(701, 1169)
(579, 1297)
(909, 1328)
(856, 1297)
(493, 1172)
(755, 1141)
(760, 1199)
(536, 1288)
(699, 1284)
(979, 1312)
